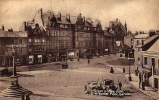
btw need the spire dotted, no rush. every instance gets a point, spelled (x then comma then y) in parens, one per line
(126, 28)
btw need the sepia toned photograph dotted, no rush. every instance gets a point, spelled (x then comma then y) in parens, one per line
(79, 49)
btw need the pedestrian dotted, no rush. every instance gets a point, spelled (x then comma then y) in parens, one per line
(88, 61)
(27, 96)
(120, 85)
(22, 97)
(111, 70)
(85, 88)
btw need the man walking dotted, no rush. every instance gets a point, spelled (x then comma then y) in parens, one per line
(88, 61)
(120, 85)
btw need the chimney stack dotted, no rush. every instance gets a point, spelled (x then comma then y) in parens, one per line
(3, 27)
(83, 20)
(117, 20)
(24, 26)
(59, 16)
(68, 17)
(10, 30)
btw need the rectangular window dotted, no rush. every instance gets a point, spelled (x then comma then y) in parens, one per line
(35, 40)
(145, 60)
(131, 40)
(43, 40)
(153, 62)
(138, 60)
(142, 42)
(20, 41)
(158, 63)
(137, 42)
(29, 40)
(138, 49)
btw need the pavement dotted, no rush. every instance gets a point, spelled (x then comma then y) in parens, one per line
(148, 90)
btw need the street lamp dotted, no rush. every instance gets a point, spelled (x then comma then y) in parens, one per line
(15, 90)
(130, 78)
(14, 66)
(65, 65)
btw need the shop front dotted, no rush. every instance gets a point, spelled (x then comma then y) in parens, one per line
(31, 59)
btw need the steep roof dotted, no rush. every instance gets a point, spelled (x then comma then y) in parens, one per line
(149, 42)
(106, 33)
(149, 39)
(154, 47)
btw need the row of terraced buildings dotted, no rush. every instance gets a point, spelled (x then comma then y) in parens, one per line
(49, 37)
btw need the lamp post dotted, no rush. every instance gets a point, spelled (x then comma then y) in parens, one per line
(14, 66)
(65, 65)
(15, 90)
(130, 78)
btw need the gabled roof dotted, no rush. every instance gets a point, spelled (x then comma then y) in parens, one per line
(149, 39)
(14, 34)
(149, 42)
(63, 20)
(154, 47)
(87, 23)
(106, 33)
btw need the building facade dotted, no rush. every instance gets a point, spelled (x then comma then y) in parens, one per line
(150, 66)
(36, 44)
(119, 30)
(109, 42)
(60, 37)
(128, 45)
(138, 43)
(13, 40)
(88, 37)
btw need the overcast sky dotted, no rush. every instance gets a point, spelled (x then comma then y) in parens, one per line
(139, 14)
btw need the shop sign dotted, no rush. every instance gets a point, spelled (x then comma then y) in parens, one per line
(18, 45)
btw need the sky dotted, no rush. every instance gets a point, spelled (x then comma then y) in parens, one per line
(139, 14)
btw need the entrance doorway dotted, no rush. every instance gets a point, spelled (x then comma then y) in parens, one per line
(156, 83)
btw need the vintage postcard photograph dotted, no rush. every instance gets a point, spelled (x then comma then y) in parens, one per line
(79, 49)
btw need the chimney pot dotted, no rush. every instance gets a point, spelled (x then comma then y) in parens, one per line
(24, 26)
(3, 27)
(117, 20)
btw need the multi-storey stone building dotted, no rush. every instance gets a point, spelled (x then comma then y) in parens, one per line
(138, 43)
(88, 37)
(51, 37)
(119, 30)
(62, 36)
(128, 45)
(109, 42)
(36, 43)
(150, 64)
(13, 40)
(59, 36)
